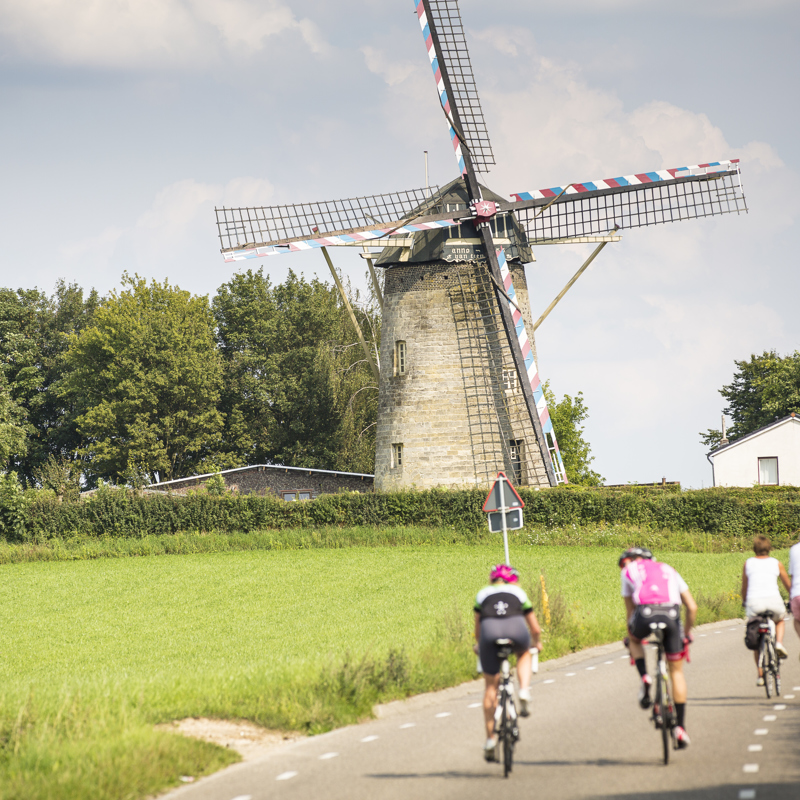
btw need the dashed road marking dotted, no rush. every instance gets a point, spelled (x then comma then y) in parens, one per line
(443, 714)
(570, 675)
(731, 629)
(761, 731)
(796, 688)
(747, 794)
(285, 776)
(755, 748)
(478, 705)
(717, 631)
(703, 634)
(326, 756)
(779, 707)
(243, 797)
(624, 658)
(408, 725)
(770, 718)
(610, 662)
(750, 767)
(590, 668)
(369, 739)
(788, 697)
(549, 680)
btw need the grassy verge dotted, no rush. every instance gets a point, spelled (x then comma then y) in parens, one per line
(93, 652)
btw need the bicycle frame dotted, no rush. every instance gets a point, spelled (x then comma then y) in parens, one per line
(663, 708)
(768, 661)
(505, 715)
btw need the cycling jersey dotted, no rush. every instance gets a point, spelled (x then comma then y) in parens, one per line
(651, 583)
(502, 600)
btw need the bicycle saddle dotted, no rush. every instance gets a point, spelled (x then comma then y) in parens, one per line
(505, 647)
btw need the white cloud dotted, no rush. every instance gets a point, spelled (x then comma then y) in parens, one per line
(146, 34)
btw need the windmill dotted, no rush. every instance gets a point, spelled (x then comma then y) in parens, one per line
(460, 396)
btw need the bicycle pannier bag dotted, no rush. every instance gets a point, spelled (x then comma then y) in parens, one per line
(751, 633)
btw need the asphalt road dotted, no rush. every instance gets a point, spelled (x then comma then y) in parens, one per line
(586, 738)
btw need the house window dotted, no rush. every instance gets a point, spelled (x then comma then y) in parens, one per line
(400, 360)
(510, 380)
(515, 446)
(291, 497)
(768, 471)
(397, 455)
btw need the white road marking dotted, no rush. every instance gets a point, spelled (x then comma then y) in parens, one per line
(779, 707)
(770, 718)
(747, 794)
(285, 776)
(478, 705)
(703, 634)
(243, 797)
(610, 662)
(326, 756)
(750, 767)
(624, 658)
(570, 674)
(550, 680)
(408, 724)
(590, 668)
(788, 697)
(369, 738)
(761, 731)
(755, 748)
(717, 631)
(443, 714)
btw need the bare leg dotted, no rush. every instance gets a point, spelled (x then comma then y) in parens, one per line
(636, 648)
(760, 671)
(679, 692)
(524, 669)
(780, 627)
(490, 702)
(797, 626)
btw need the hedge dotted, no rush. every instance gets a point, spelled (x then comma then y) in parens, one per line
(38, 516)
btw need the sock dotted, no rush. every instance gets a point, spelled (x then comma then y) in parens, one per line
(680, 710)
(641, 666)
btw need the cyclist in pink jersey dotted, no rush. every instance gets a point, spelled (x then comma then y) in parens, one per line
(654, 592)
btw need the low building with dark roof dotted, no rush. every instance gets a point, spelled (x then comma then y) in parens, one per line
(287, 483)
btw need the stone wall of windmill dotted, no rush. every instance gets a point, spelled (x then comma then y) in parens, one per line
(450, 409)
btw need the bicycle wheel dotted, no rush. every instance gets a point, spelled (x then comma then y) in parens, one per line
(777, 675)
(666, 717)
(763, 665)
(771, 676)
(508, 740)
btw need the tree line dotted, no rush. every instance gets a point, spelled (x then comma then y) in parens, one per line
(152, 383)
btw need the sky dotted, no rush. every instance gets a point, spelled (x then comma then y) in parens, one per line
(124, 124)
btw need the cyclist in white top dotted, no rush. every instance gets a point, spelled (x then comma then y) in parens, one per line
(760, 592)
(794, 592)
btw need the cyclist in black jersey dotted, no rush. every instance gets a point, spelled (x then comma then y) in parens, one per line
(502, 610)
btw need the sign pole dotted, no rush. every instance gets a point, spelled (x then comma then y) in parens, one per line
(503, 510)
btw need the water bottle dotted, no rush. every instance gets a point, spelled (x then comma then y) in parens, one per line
(534, 660)
(479, 666)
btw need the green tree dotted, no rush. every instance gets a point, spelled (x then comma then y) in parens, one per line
(297, 390)
(764, 388)
(145, 379)
(13, 438)
(567, 416)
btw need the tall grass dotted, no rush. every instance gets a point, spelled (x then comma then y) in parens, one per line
(94, 652)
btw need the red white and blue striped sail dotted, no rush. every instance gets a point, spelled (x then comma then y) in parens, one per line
(639, 179)
(256, 251)
(532, 372)
(437, 74)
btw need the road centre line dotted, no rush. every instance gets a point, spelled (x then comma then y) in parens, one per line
(285, 776)
(326, 756)
(369, 739)
(779, 707)
(243, 797)
(590, 668)
(747, 794)
(761, 731)
(611, 662)
(788, 697)
(478, 705)
(570, 675)
(408, 725)
(770, 718)
(443, 714)
(549, 680)
(750, 767)
(755, 748)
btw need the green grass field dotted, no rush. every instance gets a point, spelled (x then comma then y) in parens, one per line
(93, 653)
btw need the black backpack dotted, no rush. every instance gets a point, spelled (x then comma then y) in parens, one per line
(751, 633)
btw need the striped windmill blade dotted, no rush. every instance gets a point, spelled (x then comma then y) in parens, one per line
(271, 230)
(443, 32)
(532, 374)
(647, 198)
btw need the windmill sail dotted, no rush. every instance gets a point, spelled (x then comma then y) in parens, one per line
(458, 94)
(632, 201)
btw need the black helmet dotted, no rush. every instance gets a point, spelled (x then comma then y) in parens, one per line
(633, 553)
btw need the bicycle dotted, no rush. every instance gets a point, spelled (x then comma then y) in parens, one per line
(664, 717)
(768, 662)
(506, 727)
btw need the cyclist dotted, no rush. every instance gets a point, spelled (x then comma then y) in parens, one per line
(794, 592)
(502, 610)
(654, 592)
(760, 592)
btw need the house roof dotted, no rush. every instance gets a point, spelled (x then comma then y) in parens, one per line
(304, 470)
(778, 422)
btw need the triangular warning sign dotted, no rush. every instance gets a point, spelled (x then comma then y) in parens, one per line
(495, 501)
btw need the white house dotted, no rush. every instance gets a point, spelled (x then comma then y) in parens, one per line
(769, 456)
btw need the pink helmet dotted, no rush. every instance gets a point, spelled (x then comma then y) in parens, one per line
(502, 572)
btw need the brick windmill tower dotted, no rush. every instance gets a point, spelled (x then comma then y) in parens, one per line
(459, 394)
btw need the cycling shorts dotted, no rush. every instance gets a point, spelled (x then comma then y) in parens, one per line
(492, 628)
(643, 616)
